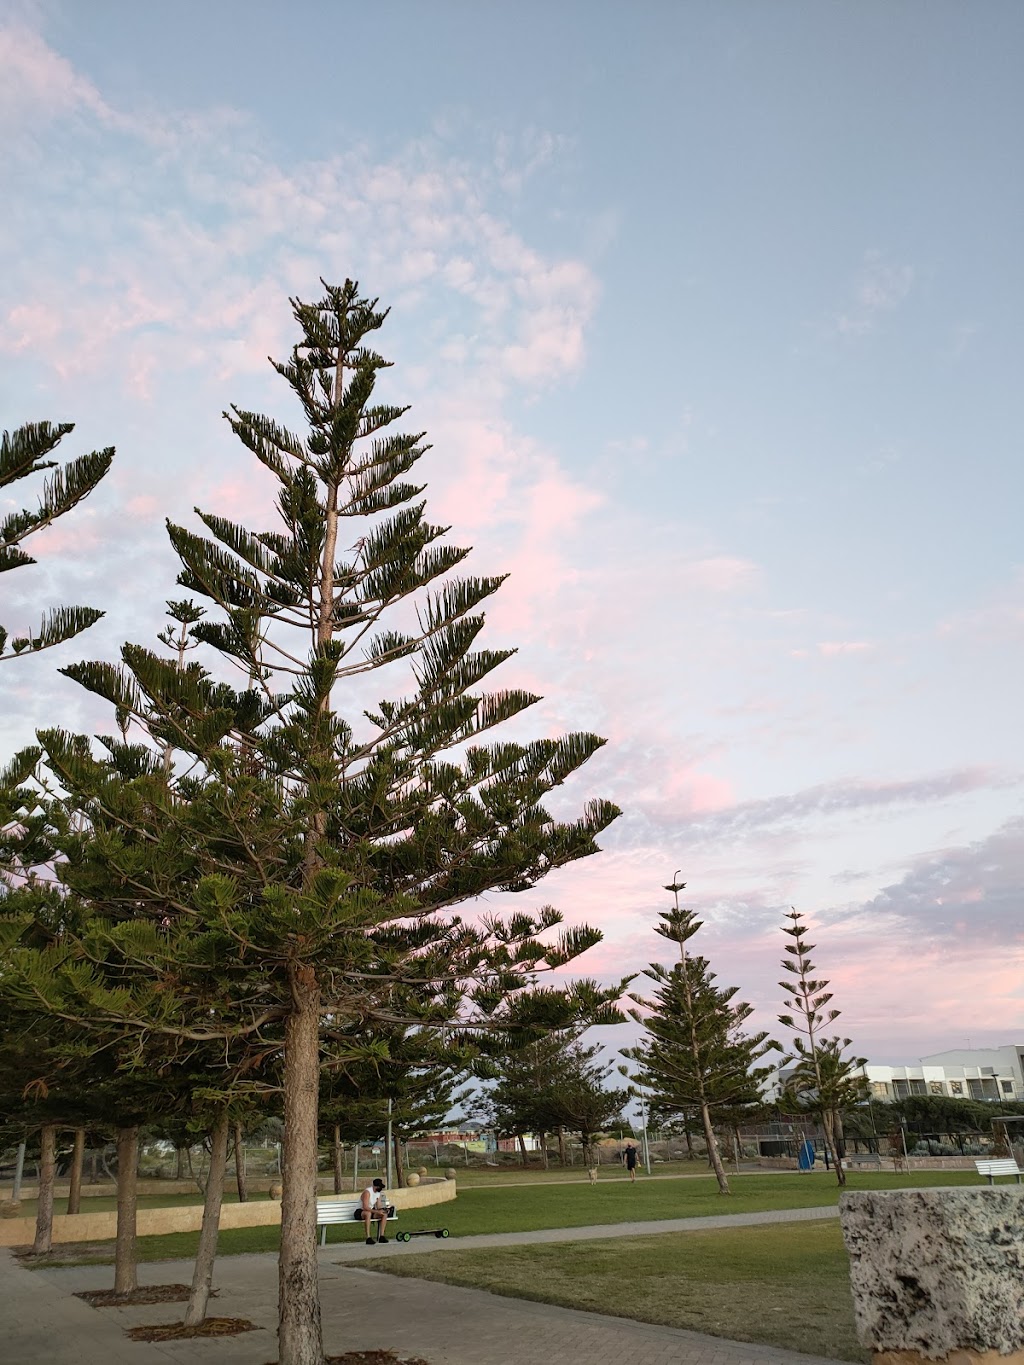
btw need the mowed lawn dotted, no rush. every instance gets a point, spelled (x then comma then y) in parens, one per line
(786, 1285)
(530, 1208)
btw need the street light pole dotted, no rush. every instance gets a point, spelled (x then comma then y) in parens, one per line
(643, 1117)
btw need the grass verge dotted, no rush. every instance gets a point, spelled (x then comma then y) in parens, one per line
(786, 1285)
(532, 1208)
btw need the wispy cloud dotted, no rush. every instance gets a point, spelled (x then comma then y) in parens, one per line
(844, 798)
(881, 287)
(970, 893)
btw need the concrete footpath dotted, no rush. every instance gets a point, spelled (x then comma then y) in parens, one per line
(42, 1323)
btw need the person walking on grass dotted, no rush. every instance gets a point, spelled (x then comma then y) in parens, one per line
(375, 1209)
(630, 1156)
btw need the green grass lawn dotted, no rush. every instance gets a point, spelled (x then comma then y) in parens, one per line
(786, 1285)
(533, 1207)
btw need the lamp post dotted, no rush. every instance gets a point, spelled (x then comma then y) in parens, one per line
(643, 1119)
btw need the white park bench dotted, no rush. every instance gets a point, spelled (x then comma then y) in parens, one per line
(343, 1211)
(863, 1159)
(993, 1166)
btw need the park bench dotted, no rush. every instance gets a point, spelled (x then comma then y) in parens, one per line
(343, 1211)
(993, 1166)
(863, 1159)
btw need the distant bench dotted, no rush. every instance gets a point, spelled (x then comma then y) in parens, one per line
(993, 1166)
(863, 1159)
(343, 1211)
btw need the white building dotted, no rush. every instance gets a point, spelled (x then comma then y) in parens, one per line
(964, 1074)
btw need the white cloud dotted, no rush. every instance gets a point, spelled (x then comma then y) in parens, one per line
(881, 286)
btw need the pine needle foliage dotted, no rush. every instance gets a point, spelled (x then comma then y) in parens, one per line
(281, 861)
(825, 1078)
(695, 1056)
(24, 452)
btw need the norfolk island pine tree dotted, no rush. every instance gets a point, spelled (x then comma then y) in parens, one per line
(325, 852)
(695, 1056)
(825, 1078)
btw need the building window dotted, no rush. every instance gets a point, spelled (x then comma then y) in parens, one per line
(983, 1089)
(956, 1087)
(918, 1088)
(880, 1088)
(1007, 1087)
(936, 1088)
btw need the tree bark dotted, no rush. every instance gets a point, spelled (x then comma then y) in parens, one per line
(240, 1180)
(77, 1161)
(399, 1163)
(44, 1206)
(544, 1151)
(831, 1146)
(179, 1174)
(206, 1252)
(523, 1158)
(300, 1337)
(338, 1170)
(561, 1146)
(125, 1269)
(714, 1155)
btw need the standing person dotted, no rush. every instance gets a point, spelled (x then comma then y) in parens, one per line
(630, 1157)
(375, 1208)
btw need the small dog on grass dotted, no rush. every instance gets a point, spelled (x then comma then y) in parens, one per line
(592, 1172)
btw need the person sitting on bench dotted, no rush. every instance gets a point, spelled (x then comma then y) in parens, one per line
(375, 1207)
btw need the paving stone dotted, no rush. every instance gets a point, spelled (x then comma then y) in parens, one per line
(42, 1323)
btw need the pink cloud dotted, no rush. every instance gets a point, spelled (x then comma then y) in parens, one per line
(39, 83)
(832, 649)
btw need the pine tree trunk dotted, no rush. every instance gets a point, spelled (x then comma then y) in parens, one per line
(690, 1154)
(714, 1155)
(561, 1146)
(399, 1163)
(206, 1252)
(544, 1151)
(524, 1159)
(77, 1161)
(831, 1146)
(125, 1270)
(240, 1179)
(338, 1169)
(180, 1172)
(300, 1338)
(44, 1205)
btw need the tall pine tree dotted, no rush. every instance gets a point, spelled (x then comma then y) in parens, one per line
(696, 1056)
(825, 1077)
(282, 860)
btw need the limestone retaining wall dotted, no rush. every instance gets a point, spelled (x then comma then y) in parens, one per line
(99, 1227)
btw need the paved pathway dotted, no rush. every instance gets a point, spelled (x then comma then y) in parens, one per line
(42, 1323)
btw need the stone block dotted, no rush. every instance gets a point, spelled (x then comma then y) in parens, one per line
(937, 1274)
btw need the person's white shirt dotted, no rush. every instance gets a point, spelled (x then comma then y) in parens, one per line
(378, 1198)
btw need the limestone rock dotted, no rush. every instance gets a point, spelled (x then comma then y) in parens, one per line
(937, 1271)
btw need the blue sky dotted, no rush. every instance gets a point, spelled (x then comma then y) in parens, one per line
(712, 312)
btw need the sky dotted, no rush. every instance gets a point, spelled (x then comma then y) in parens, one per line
(712, 314)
